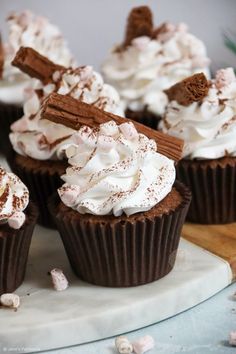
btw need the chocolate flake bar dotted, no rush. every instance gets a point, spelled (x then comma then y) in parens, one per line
(73, 113)
(35, 65)
(187, 91)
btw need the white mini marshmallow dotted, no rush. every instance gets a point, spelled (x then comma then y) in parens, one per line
(143, 344)
(232, 338)
(59, 280)
(16, 220)
(69, 194)
(128, 130)
(10, 300)
(123, 345)
(105, 143)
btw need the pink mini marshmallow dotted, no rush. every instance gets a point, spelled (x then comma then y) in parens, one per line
(129, 131)
(56, 75)
(16, 220)
(86, 72)
(83, 135)
(105, 143)
(143, 344)
(141, 43)
(20, 125)
(182, 27)
(224, 77)
(69, 194)
(59, 280)
(232, 338)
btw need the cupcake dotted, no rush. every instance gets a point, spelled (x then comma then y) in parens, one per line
(120, 211)
(17, 220)
(38, 144)
(25, 29)
(150, 60)
(204, 115)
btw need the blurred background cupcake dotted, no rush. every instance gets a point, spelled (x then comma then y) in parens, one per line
(121, 212)
(28, 30)
(18, 217)
(38, 145)
(149, 60)
(204, 115)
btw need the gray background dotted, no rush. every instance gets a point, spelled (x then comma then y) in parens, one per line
(93, 26)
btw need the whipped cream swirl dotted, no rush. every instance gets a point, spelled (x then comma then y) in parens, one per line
(141, 71)
(41, 139)
(114, 169)
(28, 30)
(208, 127)
(14, 198)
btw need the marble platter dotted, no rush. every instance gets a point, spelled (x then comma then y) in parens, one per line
(48, 319)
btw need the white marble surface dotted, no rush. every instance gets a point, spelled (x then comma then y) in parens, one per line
(48, 319)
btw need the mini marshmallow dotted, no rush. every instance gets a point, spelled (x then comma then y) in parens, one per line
(105, 143)
(56, 75)
(232, 338)
(123, 345)
(59, 280)
(10, 300)
(128, 130)
(109, 128)
(16, 220)
(69, 194)
(224, 77)
(143, 344)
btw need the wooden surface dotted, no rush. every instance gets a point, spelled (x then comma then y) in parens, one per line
(218, 239)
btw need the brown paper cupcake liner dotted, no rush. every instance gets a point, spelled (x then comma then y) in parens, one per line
(42, 179)
(213, 187)
(122, 253)
(144, 117)
(9, 113)
(14, 249)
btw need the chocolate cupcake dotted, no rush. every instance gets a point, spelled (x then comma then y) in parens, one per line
(38, 144)
(151, 60)
(25, 29)
(120, 214)
(204, 114)
(17, 220)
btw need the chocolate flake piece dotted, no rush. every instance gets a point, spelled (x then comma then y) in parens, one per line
(187, 91)
(35, 65)
(1, 57)
(139, 23)
(73, 113)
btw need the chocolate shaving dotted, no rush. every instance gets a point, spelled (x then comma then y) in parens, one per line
(1, 57)
(139, 23)
(187, 91)
(73, 113)
(35, 65)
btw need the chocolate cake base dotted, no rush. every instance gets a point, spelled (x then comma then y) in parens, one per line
(144, 116)
(9, 113)
(123, 251)
(42, 179)
(14, 249)
(213, 186)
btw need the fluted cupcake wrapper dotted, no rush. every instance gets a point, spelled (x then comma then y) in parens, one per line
(9, 113)
(122, 253)
(14, 249)
(41, 181)
(144, 117)
(213, 190)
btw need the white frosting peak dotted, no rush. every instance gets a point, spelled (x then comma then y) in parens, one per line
(141, 71)
(14, 198)
(41, 139)
(208, 127)
(114, 169)
(29, 30)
